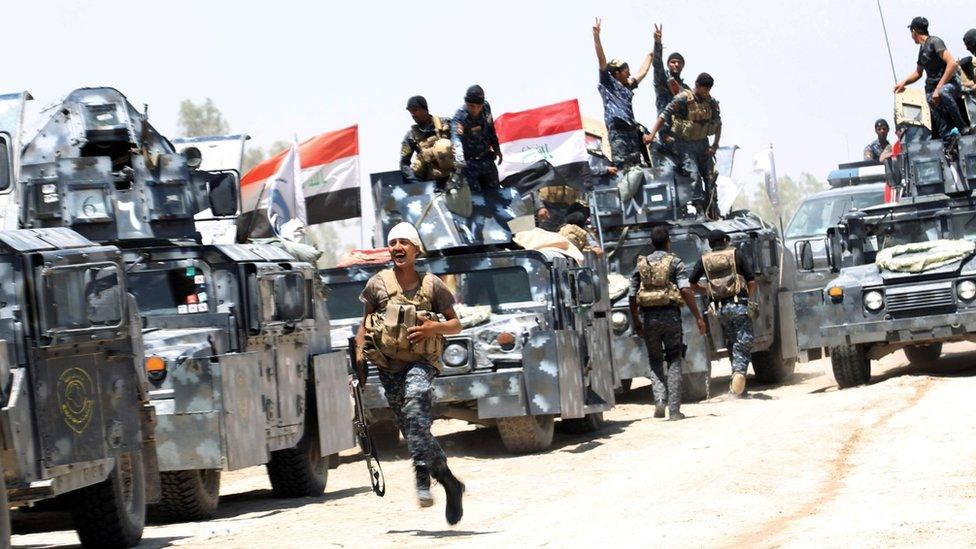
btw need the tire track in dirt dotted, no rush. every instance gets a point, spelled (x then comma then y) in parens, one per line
(837, 469)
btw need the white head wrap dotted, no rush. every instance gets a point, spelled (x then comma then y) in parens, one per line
(406, 231)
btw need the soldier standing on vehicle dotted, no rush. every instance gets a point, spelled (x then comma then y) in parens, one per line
(667, 83)
(730, 283)
(657, 289)
(407, 355)
(430, 140)
(693, 115)
(617, 91)
(476, 149)
(941, 84)
(874, 149)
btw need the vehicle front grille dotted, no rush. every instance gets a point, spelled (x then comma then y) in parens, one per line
(925, 299)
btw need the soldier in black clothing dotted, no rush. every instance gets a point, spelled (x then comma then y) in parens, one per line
(942, 87)
(667, 82)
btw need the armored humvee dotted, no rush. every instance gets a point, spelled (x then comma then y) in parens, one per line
(905, 271)
(535, 340)
(661, 197)
(236, 341)
(75, 420)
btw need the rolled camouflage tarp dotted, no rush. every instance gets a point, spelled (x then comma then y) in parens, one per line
(923, 256)
(619, 285)
(472, 315)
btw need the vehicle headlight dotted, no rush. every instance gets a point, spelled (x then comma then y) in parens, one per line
(873, 300)
(619, 321)
(966, 290)
(455, 354)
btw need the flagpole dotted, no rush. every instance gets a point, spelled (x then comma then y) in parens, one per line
(779, 214)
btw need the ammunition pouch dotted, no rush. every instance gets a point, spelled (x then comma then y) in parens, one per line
(559, 194)
(387, 331)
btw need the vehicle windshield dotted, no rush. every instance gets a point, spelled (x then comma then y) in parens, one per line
(181, 290)
(909, 232)
(492, 287)
(816, 215)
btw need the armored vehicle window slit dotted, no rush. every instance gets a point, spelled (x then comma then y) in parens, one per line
(6, 170)
(80, 297)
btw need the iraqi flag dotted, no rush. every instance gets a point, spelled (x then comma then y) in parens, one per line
(329, 176)
(543, 146)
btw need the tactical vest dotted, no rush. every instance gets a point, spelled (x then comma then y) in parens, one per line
(724, 281)
(699, 123)
(434, 160)
(386, 330)
(656, 288)
(559, 194)
(576, 235)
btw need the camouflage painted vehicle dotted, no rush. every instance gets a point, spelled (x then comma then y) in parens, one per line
(535, 340)
(624, 229)
(913, 301)
(235, 336)
(76, 420)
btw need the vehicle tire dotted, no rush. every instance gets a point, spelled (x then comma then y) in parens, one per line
(917, 354)
(187, 495)
(526, 434)
(770, 367)
(851, 366)
(301, 471)
(587, 424)
(4, 515)
(112, 513)
(696, 387)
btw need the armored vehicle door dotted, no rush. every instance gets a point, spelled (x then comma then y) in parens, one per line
(84, 394)
(763, 250)
(11, 123)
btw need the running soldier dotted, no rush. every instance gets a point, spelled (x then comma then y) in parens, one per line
(942, 86)
(730, 283)
(430, 140)
(402, 337)
(658, 287)
(617, 91)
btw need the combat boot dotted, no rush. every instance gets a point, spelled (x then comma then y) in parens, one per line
(424, 497)
(454, 490)
(659, 409)
(675, 415)
(738, 384)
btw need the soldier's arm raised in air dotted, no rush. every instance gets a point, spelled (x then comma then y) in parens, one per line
(644, 68)
(660, 77)
(406, 152)
(600, 57)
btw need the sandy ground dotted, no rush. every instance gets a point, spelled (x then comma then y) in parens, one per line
(889, 464)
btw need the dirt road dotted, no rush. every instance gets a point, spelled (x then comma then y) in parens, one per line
(890, 464)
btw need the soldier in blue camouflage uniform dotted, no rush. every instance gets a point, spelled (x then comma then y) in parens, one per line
(875, 148)
(408, 384)
(730, 285)
(476, 150)
(617, 91)
(659, 285)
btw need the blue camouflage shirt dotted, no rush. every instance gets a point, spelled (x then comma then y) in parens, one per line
(618, 99)
(474, 138)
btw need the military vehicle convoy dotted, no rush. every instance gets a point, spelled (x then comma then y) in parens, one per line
(535, 343)
(659, 197)
(235, 337)
(905, 271)
(75, 421)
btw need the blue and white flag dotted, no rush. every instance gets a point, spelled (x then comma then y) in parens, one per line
(286, 200)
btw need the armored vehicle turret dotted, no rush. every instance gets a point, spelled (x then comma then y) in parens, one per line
(235, 336)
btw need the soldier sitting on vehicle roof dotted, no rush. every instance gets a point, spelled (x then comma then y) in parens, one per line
(430, 140)
(574, 229)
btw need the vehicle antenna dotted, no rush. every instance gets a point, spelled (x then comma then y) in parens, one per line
(891, 59)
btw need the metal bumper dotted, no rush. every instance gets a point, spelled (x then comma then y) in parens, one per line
(907, 330)
(497, 394)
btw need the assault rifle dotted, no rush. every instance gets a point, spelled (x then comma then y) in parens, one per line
(361, 426)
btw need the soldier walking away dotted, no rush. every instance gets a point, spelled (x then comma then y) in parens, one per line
(430, 140)
(730, 283)
(476, 149)
(875, 148)
(942, 87)
(616, 88)
(693, 115)
(667, 82)
(658, 287)
(402, 337)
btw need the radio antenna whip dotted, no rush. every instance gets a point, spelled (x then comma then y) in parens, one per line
(887, 43)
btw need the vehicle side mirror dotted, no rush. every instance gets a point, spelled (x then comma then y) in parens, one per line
(6, 163)
(806, 255)
(587, 291)
(835, 249)
(223, 192)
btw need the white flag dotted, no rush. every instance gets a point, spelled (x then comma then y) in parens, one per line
(286, 200)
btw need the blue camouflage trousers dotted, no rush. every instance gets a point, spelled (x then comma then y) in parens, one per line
(662, 330)
(410, 394)
(625, 145)
(737, 329)
(946, 114)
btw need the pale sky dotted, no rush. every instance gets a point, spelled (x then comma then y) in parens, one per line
(808, 77)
